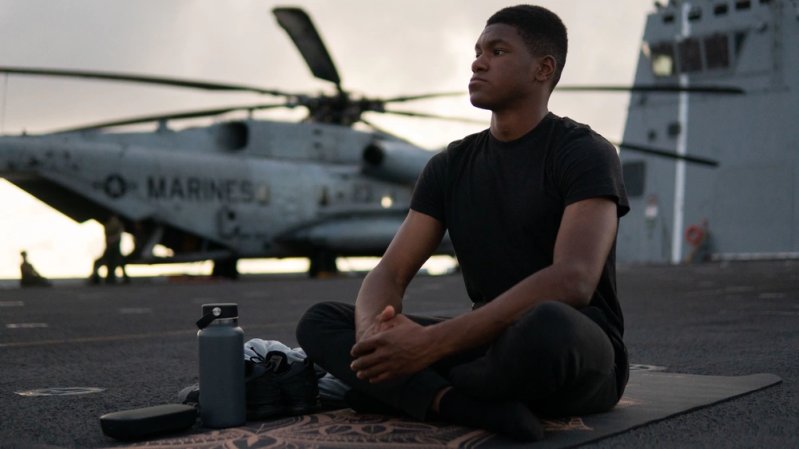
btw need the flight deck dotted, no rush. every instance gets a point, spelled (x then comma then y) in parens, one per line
(71, 353)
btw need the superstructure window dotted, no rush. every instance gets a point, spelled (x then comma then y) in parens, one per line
(662, 59)
(695, 14)
(717, 51)
(712, 52)
(673, 130)
(720, 9)
(690, 55)
(743, 4)
(634, 174)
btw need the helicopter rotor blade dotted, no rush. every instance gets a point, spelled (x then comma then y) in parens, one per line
(172, 116)
(303, 33)
(424, 96)
(667, 154)
(145, 79)
(381, 130)
(656, 88)
(436, 116)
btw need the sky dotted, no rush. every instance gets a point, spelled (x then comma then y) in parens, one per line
(381, 48)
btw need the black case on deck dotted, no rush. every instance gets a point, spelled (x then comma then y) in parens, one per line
(149, 421)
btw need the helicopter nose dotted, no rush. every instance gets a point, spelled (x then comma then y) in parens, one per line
(22, 156)
(11, 152)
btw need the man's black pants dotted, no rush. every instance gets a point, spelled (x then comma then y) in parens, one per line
(554, 358)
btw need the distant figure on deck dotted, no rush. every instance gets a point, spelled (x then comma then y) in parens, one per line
(29, 277)
(112, 256)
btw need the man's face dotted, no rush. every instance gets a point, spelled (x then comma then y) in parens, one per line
(503, 71)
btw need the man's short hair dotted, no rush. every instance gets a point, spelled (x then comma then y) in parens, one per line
(541, 29)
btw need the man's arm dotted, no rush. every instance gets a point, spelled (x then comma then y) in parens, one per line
(385, 285)
(585, 237)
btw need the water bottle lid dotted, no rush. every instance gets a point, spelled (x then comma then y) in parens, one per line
(217, 311)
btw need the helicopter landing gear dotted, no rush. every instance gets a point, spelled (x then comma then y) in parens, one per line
(225, 268)
(323, 265)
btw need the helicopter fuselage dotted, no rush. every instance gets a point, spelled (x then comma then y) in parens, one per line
(237, 189)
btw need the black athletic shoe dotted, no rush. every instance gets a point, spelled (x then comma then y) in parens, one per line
(264, 399)
(300, 388)
(190, 395)
(276, 387)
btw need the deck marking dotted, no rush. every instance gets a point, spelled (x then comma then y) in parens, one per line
(771, 295)
(640, 367)
(135, 310)
(202, 300)
(26, 325)
(123, 337)
(59, 391)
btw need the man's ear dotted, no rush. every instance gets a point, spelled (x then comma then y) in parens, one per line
(546, 69)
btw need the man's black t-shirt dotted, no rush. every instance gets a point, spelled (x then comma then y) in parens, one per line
(502, 203)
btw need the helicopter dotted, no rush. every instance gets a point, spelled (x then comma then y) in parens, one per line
(246, 188)
(236, 189)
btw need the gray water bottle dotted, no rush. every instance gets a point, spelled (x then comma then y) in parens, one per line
(221, 351)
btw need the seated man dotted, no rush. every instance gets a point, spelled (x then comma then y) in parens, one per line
(29, 277)
(532, 207)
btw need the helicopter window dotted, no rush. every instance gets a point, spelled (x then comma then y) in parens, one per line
(690, 55)
(720, 9)
(324, 197)
(717, 51)
(695, 14)
(743, 4)
(263, 194)
(233, 135)
(662, 59)
(634, 174)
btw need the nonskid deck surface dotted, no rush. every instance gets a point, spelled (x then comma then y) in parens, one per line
(98, 350)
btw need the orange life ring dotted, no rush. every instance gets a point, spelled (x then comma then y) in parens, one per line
(694, 235)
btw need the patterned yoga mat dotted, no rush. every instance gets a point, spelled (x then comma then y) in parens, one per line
(650, 396)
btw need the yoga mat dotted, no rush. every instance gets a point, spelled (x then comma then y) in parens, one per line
(650, 397)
